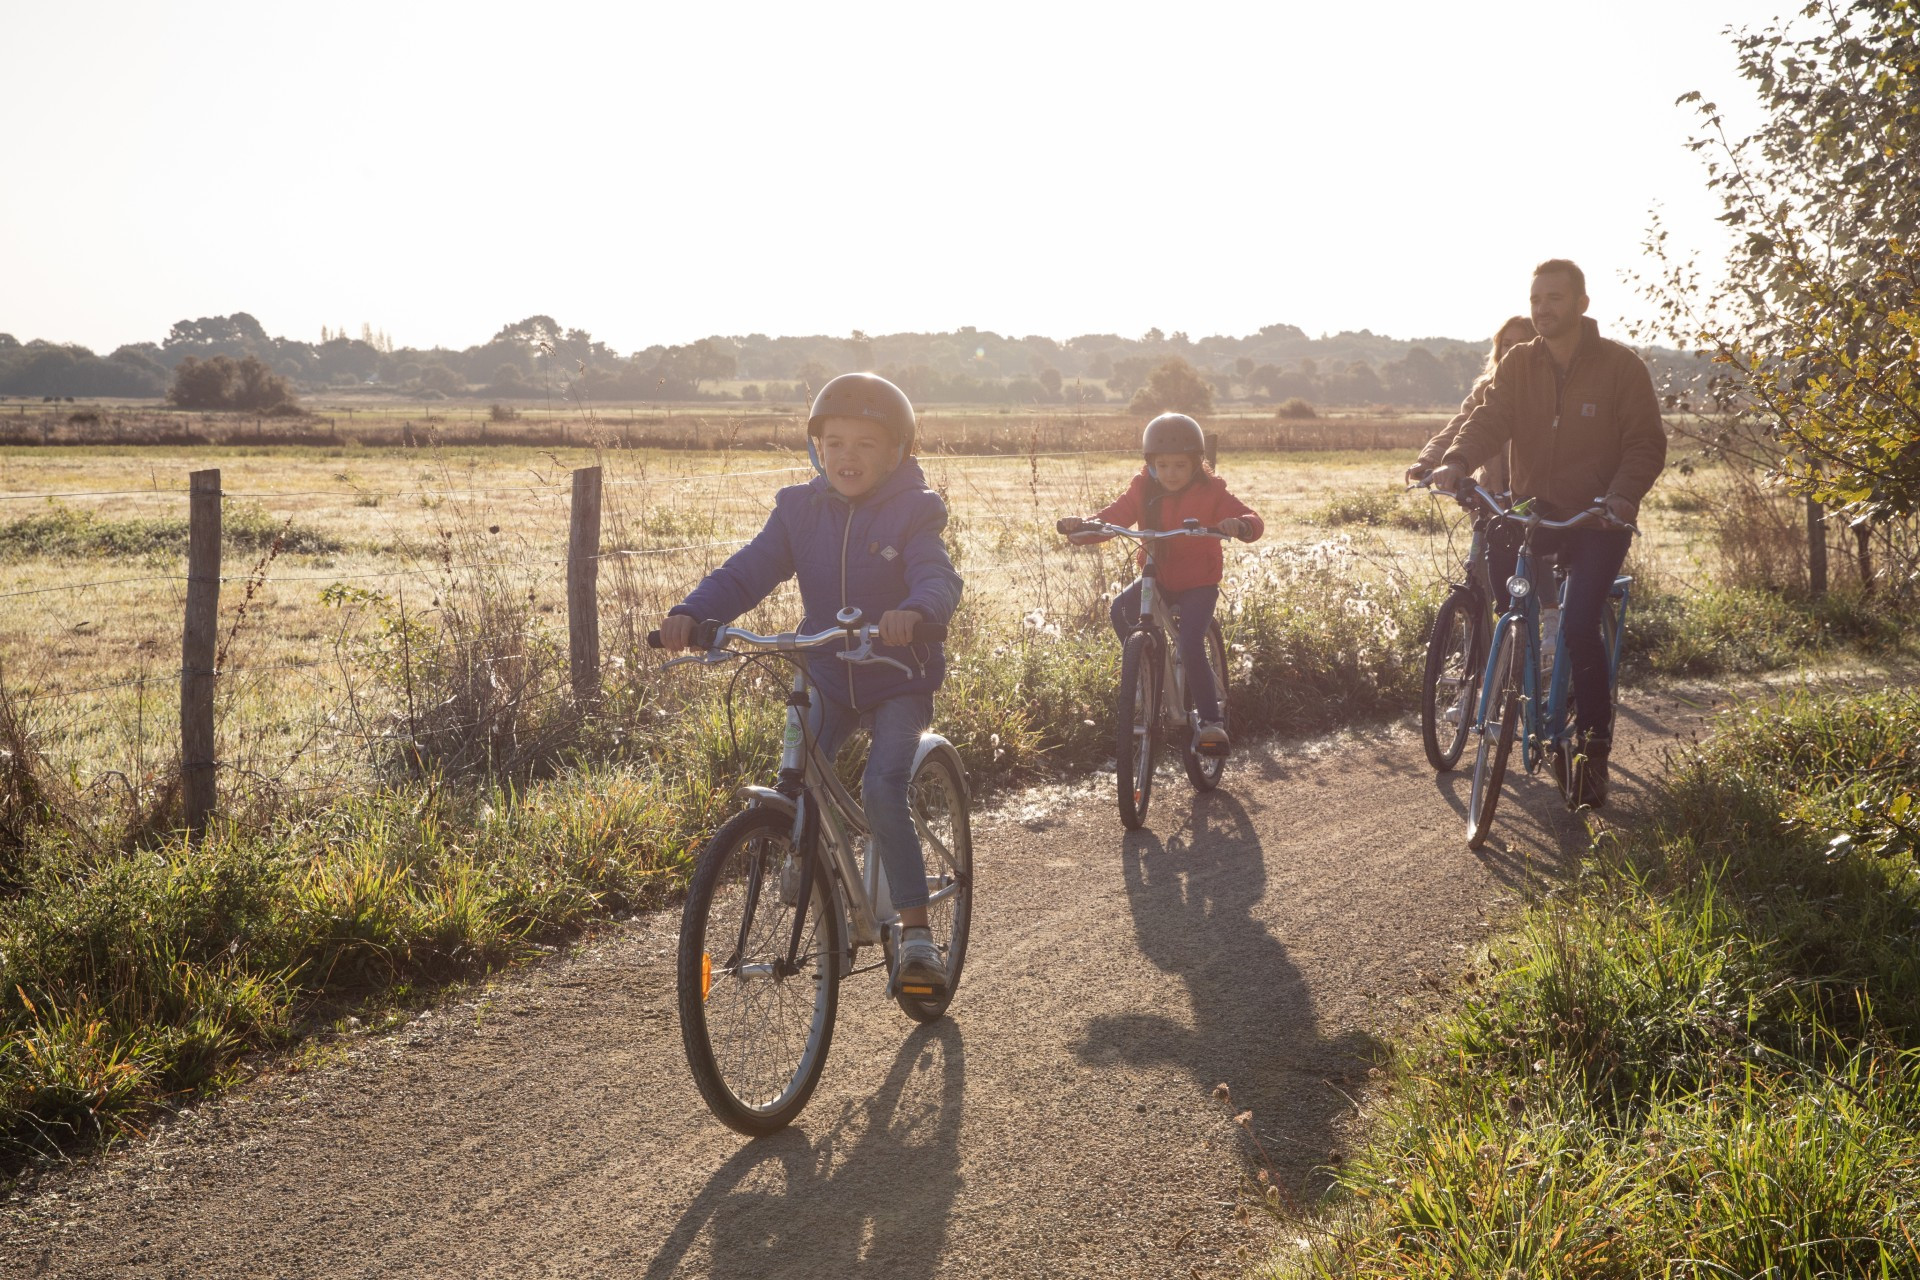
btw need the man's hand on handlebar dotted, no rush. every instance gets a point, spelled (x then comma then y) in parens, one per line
(1416, 473)
(1446, 477)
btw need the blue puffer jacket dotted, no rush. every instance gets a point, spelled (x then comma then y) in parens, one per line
(878, 552)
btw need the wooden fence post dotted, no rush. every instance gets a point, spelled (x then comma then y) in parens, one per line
(197, 647)
(583, 578)
(1816, 549)
(1213, 449)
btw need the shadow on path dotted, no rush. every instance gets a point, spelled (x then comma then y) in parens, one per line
(1193, 901)
(867, 1195)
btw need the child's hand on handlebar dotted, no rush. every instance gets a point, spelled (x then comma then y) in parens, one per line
(1233, 527)
(896, 626)
(1070, 524)
(676, 631)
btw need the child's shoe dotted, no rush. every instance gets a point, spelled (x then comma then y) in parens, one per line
(918, 968)
(1210, 739)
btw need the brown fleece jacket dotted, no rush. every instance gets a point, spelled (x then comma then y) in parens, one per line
(1597, 436)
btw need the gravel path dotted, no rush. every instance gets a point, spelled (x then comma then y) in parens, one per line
(1060, 1123)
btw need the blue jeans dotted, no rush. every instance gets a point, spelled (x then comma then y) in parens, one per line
(1195, 607)
(896, 725)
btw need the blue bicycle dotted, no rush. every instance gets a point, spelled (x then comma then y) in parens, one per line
(1512, 703)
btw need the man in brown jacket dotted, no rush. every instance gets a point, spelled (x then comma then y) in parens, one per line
(1584, 425)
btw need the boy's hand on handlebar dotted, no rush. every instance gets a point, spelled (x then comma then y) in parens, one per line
(676, 631)
(896, 625)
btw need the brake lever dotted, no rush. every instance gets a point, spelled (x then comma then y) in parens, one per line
(711, 658)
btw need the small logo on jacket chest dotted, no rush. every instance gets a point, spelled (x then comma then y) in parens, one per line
(1589, 410)
(885, 553)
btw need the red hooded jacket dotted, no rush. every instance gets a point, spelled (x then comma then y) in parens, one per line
(1184, 562)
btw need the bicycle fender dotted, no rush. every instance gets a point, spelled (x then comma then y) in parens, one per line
(931, 743)
(758, 796)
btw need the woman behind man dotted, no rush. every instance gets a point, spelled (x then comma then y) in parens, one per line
(1493, 476)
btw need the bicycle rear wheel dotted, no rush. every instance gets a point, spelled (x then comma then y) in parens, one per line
(755, 1024)
(1137, 721)
(1496, 737)
(938, 797)
(1204, 770)
(1451, 679)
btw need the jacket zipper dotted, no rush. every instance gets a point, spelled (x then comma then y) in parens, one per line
(846, 537)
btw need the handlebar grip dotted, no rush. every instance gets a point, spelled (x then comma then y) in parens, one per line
(704, 635)
(929, 632)
(1070, 524)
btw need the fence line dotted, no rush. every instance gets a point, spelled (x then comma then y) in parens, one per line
(83, 586)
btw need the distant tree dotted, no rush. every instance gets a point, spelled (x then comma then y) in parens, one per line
(438, 377)
(1049, 377)
(813, 374)
(1174, 387)
(219, 383)
(1129, 374)
(1294, 408)
(1243, 367)
(1153, 338)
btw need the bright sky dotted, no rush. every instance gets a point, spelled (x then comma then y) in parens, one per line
(656, 172)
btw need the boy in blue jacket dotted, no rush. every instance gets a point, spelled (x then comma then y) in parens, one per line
(864, 532)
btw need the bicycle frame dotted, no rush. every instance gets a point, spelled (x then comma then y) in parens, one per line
(822, 810)
(1543, 721)
(1157, 615)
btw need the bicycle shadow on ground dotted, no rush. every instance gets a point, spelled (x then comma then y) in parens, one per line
(868, 1194)
(1193, 899)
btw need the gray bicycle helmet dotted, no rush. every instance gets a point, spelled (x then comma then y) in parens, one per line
(864, 395)
(1173, 433)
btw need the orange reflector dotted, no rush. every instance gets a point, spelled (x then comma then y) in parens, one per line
(917, 991)
(706, 974)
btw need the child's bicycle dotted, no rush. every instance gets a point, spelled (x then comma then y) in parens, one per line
(1153, 682)
(1512, 704)
(788, 891)
(1456, 652)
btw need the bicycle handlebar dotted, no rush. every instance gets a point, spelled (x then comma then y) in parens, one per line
(712, 635)
(1533, 521)
(1071, 525)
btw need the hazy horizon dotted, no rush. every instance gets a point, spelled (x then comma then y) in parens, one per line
(655, 176)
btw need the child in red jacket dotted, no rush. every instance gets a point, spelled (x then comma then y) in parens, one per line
(1175, 485)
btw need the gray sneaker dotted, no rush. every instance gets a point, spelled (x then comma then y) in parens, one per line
(919, 969)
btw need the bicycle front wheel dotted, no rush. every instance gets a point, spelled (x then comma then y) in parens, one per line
(1496, 736)
(1137, 719)
(1204, 770)
(1451, 679)
(758, 973)
(937, 796)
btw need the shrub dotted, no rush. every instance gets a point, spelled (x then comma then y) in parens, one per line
(1294, 408)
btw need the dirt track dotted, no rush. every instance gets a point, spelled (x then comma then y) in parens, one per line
(1059, 1124)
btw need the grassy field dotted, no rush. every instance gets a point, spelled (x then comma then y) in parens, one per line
(408, 790)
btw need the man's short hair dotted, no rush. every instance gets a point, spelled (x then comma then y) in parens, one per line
(1566, 267)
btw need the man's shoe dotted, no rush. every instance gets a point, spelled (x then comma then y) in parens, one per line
(1590, 768)
(919, 969)
(1210, 739)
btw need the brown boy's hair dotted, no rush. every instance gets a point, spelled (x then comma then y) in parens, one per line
(1565, 267)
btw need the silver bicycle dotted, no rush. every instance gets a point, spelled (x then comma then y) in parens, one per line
(789, 890)
(1153, 680)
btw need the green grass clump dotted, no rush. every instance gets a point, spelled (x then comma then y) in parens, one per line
(1374, 509)
(1706, 1062)
(130, 978)
(65, 532)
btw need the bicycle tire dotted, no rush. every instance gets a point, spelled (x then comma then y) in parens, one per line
(1137, 727)
(1496, 740)
(1204, 771)
(757, 1042)
(938, 797)
(1451, 670)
